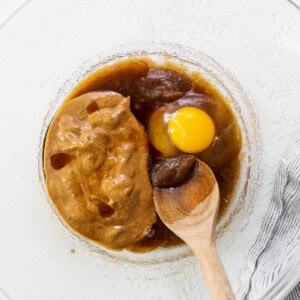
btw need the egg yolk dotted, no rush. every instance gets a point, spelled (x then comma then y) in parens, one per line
(191, 129)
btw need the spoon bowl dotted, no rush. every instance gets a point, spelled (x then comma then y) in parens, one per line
(190, 211)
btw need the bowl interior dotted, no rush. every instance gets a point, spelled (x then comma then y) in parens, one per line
(243, 109)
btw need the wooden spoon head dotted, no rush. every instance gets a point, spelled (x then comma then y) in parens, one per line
(191, 208)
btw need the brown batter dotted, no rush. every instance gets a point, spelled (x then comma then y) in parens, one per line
(96, 169)
(96, 151)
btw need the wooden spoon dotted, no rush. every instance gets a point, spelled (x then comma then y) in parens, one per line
(190, 211)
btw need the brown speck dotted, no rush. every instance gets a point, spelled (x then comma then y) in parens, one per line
(92, 107)
(59, 160)
(105, 210)
(72, 251)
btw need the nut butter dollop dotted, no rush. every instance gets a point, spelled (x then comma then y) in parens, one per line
(95, 161)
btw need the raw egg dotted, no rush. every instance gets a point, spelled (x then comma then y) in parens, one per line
(173, 130)
(191, 129)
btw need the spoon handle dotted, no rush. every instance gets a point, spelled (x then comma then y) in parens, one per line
(213, 272)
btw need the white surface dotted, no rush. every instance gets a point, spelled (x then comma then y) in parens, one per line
(10, 8)
(257, 41)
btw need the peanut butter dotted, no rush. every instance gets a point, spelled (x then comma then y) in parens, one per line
(95, 162)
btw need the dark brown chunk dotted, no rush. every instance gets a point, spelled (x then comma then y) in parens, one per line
(172, 172)
(92, 107)
(59, 160)
(105, 210)
(162, 85)
(159, 86)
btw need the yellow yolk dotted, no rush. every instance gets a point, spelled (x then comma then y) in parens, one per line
(191, 129)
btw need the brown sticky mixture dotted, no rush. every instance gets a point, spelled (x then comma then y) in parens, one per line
(94, 175)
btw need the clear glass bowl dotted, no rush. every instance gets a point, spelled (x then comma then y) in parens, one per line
(194, 61)
(163, 262)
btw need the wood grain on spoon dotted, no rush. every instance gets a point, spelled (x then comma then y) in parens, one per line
(190, 211)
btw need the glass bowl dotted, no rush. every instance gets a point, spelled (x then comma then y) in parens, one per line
(194, 61)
